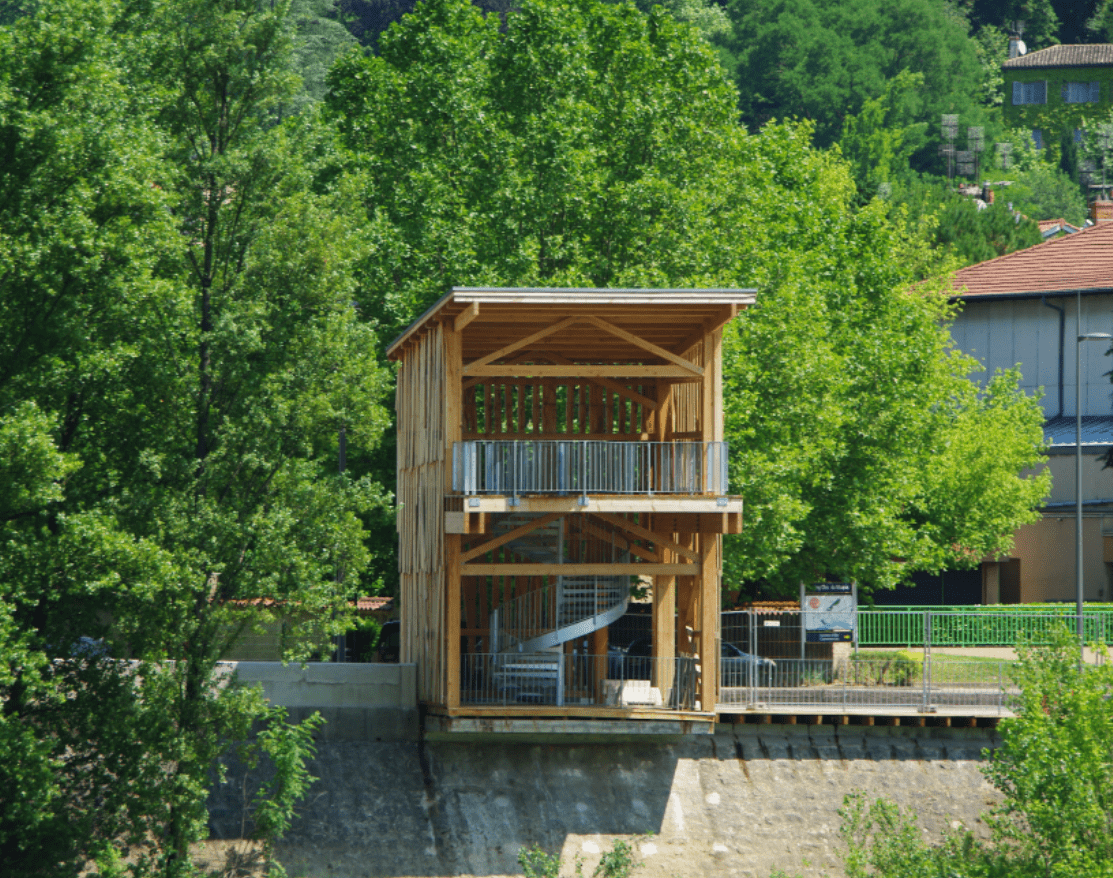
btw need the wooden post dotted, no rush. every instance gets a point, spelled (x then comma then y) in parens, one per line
(599, 640)
(713, 363)
(452, 616)
(664, 628)
(709, 621)
(453, 430)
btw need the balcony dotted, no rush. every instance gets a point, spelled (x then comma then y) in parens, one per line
(584, 467)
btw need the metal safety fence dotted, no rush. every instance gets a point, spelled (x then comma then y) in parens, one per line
(561, 679)
(985, 626)
(514, 467)
(769, 662)
(869, 684)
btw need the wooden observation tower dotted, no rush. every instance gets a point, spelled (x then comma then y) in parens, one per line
(558, 451)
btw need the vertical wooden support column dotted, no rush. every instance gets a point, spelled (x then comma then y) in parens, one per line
(453, 426)
(713, 362)
(664, 627)
(707, 401)
(599, 641)
(664, 587)
(709, 620)
(452, 617)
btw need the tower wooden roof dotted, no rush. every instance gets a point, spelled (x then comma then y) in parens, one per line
(667, 318)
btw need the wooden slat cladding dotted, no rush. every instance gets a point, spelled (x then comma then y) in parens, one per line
(537, 365)
(420, 404)
(687, 402)
(523, 408)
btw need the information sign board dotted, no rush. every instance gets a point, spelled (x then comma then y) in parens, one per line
(830, 612)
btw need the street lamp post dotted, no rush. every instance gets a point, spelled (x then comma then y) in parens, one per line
(1088, 336)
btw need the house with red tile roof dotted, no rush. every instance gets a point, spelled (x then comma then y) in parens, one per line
(1026, 309)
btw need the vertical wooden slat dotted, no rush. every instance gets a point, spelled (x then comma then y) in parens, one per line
(714, 361)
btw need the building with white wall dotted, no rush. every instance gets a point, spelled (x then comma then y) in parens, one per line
(1026, 309)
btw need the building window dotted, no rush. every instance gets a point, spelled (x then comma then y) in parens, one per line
(1030, 92)
(1037, 138)
(1078, 135)
(1080, 93)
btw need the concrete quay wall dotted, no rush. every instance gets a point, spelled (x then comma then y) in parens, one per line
(745, 801)
(364, 702)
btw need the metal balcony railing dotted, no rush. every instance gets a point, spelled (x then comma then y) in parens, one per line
(510, 468)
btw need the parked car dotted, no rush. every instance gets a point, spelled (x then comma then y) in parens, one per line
(635, 662)
(390, 642)
(735, 665)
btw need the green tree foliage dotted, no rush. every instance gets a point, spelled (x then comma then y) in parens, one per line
(319, 39)
(880, 140)
(1055, 764)
(590, 144)
(1054, 768)
(992, 46)
(822, 61)
(178, 349)
(972, 235)
(707, 16)
(573, 147)
(852, 412)
(1044, 192)
(1041, 19)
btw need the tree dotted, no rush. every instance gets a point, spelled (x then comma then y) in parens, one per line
(590, 144)
(1055, 763)
(1054, 769)
(1043, 192)
(881, 139)
(974, 235)
(178, 351)
(579, 145)
(851, 411)
(1041, 21)
(823, 61)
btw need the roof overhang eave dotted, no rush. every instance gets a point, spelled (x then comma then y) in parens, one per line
(572, 296)
(1030, 294)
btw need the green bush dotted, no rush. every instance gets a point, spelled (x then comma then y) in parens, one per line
(536, 863)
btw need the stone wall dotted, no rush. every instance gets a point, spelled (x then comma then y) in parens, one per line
(742, 802)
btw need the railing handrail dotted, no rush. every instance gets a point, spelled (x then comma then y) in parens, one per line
(588, 466)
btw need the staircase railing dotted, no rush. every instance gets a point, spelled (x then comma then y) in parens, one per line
(559, 612)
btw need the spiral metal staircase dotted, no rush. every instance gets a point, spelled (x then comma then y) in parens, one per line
(528, 632)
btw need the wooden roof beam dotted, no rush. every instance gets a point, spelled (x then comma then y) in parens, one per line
(633, 569)
(466, 316)
(510, 536)
(631, 395)
(657, 539)
(725, 316)
(617, 370)
(632, 547)
(668, 356)
(520, 343)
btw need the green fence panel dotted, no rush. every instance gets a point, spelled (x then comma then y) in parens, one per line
(976, 627)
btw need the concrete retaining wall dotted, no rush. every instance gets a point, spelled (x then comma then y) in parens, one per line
(742, 802)
(362, 702)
